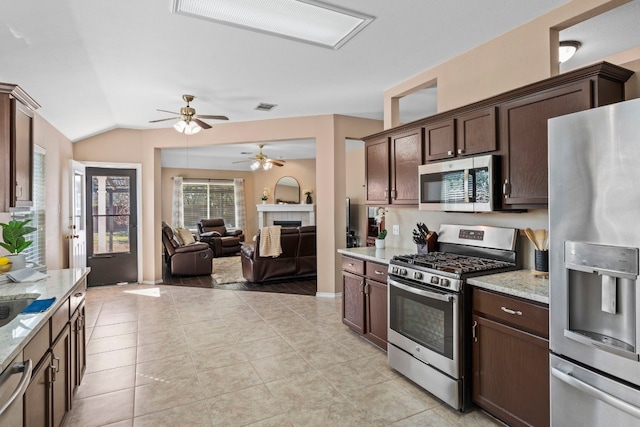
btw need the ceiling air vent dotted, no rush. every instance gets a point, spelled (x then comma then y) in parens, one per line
(265, 107)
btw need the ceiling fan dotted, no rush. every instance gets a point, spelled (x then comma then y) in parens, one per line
(190, 122)
(261, 160)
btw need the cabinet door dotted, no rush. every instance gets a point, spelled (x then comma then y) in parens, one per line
(353, 301)
(510, 373)
(376, 309)
(476, 132)
(406, 156)
(440, 140)
(37, 397)
(60, 377)
(78, 349)
(377, 171)
(22, 142)
(523, 132)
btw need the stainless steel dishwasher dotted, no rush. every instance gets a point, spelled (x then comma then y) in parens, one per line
(13, 384)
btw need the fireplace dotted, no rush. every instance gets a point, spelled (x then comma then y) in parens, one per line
(287, 223)
(302, 214)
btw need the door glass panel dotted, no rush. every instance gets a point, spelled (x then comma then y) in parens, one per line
(78, 195)
(110, 205)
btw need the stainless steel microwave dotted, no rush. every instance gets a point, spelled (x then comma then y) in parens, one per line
(460, 185)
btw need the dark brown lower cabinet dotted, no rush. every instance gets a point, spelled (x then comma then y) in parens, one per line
(37, 396)
(60, 376)
(78, 349)
(510, 359)
(364, 299)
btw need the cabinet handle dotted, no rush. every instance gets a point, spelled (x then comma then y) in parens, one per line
(449, 153)
(460, 151)
(78, 295)
(474, 332)
(361, 287)
(379, 273)
(508, 310)
(506, 188)
(366, 289)
(350, 264)
(18, 191)
(53, 372)
(386, 193)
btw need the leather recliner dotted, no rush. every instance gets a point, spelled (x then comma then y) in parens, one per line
(297, 260)
(194, 259)
(220, 240)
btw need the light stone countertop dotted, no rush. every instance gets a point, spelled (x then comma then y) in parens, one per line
(15, 335)
(370, 253)
(519, 283)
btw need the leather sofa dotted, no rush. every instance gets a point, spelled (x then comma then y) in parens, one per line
(194, 259)
(298, 257)
(220, 240)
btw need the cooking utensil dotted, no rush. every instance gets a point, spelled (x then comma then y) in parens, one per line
(532, 237)
(541, 237)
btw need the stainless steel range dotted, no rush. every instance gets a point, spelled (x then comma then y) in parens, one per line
(429, 310)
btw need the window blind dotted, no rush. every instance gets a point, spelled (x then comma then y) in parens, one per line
(208, 199)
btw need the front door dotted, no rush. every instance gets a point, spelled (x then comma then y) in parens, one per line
(112, 249)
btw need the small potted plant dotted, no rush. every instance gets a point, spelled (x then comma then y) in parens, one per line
(380, 239)
(265, 195)
(14, 241)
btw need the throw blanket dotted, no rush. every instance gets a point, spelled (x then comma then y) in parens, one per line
(270, 241)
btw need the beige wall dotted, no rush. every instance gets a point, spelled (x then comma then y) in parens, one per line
(304, 171)
(58, 153)
(329, 132)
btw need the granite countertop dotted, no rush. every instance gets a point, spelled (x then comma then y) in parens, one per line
(15, 335)
(370, 253)
(519, 283)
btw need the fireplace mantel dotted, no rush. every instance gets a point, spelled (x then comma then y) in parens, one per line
(268, 213)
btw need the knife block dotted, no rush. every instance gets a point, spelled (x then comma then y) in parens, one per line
(430, 246)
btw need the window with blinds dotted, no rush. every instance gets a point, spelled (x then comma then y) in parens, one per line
(36, 252)
(208, 199)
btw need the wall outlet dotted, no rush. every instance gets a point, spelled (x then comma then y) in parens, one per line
(396, 230)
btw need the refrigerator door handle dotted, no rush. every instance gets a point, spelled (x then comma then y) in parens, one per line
(596, 392)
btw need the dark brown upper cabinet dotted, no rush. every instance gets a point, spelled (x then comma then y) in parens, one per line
(16, 147)
(440, 140)
(406, 156)
(476, 132)
(377, 171)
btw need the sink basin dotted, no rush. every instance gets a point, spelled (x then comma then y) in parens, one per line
(11, 307)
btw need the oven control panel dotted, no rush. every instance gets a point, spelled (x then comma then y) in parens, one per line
(425, 277)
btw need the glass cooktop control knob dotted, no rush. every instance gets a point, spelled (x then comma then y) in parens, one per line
(403, 272)
(417, 275)
(435, 280)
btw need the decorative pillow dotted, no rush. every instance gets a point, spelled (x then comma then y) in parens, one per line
(185, 236)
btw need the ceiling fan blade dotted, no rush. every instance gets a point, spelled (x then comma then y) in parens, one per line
(242, 161)
(167, 111)
(163, 120)
(205, 116)
(202, 124)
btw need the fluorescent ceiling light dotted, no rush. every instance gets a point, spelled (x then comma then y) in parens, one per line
(309, 21)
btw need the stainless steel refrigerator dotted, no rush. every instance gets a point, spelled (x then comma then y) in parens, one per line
(594, 229)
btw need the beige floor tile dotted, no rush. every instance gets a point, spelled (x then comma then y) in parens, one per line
(386, 402)
(227, 379)
(211, 341)
(327, 354)
(107, 381)
(167, 335)
(165, 370)
(281, 366)
(102, 410)
(118, 342)
(277, 421)
(352, 375)
(474, 417)
(425, 418)
(301, 340)
(161, 350)
(192, 415)
(305, 391)
(162, 395)
(218, 358)
(113, 330)
(126, 423)
(111, 359)
(117, 318)
(243, 407)
(257, 349)
(338, 414)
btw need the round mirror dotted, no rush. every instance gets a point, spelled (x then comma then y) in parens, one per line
(287, 191)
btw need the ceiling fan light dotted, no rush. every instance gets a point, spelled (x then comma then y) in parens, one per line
(255, 165)
(267, 166)
(180, 126)
(192, 128)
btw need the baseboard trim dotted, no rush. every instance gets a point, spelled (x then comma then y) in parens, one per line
(328, 294)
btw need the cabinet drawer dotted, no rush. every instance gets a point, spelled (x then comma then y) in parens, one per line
(38, 346)
(522, 314)
(59, 319)
(353, 265)
(77, 296)
(377, 271)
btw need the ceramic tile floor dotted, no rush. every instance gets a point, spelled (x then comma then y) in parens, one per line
(179, 356)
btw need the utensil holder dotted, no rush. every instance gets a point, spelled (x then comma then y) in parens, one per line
(541, 261)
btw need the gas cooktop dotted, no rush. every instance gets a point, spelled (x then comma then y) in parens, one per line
(450, 263)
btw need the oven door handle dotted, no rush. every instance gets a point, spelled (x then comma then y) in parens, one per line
(422, 292)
